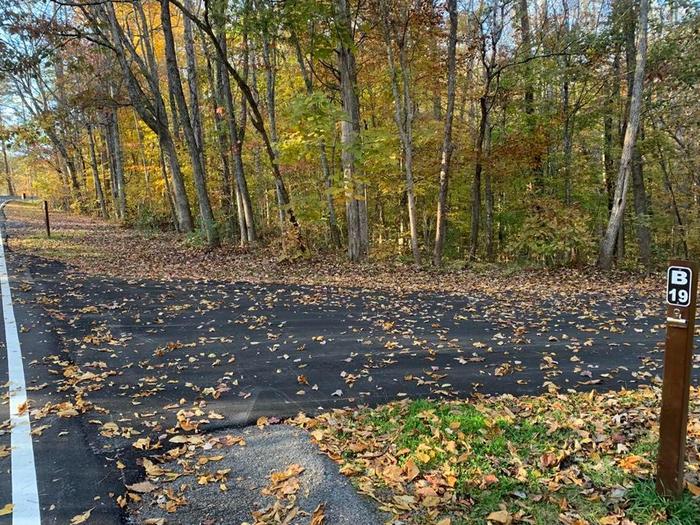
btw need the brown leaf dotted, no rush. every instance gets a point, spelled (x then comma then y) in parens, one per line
(142, 487)
(81, 518)
(318, 517)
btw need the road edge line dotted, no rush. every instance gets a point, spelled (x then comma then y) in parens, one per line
(25, 493)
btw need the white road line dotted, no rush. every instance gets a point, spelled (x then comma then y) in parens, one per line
(25, 495)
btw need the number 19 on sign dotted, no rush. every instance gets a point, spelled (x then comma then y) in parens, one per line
(678, 286)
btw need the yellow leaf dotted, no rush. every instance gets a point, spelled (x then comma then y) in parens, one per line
(7, 509)
(142, 443)
(444, 521)
(502, 516)
(81, 518)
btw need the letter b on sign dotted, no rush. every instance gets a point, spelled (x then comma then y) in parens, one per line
(679, 276)
(678, 286)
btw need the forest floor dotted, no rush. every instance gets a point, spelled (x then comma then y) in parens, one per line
(97, 247)
(468, 398)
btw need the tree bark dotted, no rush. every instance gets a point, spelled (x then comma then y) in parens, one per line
(114, 148)
(246, 219)
(529, 95)
(476, 182)
(96, 174)
(187, 120)
(216, 107)
(355, 203)
(256, 118)
(403, 114)
(640, 199)
(8, 171)
(151, 110)
(607, 245)
(447, 146)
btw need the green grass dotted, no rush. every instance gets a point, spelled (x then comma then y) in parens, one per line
(542, 461)
(646, 506)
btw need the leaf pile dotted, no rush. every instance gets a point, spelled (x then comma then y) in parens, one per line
(573, 459)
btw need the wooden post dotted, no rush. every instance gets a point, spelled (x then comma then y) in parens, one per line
(46, 219)
(681, 292)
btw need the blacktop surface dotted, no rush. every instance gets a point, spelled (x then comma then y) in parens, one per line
(249, 350)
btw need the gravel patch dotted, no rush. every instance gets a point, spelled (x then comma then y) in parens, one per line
(273, 448)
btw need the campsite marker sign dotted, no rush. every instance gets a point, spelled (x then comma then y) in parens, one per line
(681, 294)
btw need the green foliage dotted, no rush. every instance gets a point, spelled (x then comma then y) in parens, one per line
(552, 234)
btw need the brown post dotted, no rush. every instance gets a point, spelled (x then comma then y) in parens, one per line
(46, 219)
(681, 292)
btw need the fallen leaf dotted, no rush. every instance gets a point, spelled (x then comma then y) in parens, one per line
(81, 518)
(502, 516)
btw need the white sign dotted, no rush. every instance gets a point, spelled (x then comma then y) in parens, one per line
(678, 286)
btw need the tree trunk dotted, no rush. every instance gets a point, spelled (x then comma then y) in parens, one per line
(216, 106)
(476, 183)
(194, 143)
(529, 95)
(168, 189)
(674, 203)
(641, 204)
(151, 110)
(403, 116)
(567, 142)
(256, 116)
(246, 219)
(489, 198)
(355, 203)
(96, 174)
(8, 171)
(114, 148)
(641, 209)
(446, 157)
(607, 245)
(270, 63)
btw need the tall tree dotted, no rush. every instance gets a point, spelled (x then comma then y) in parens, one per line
(447, 146)
(190, 120)
(403, 104)
(355, 194)
(607, 245)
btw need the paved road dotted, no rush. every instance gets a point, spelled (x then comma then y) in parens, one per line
(134, 354)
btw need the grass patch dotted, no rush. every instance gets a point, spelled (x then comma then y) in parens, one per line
(646, 506)
(557, 458)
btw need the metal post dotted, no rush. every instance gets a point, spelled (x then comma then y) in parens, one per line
(46, 219)
(681, 292)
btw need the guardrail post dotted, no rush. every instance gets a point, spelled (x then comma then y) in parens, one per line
(46, 219)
